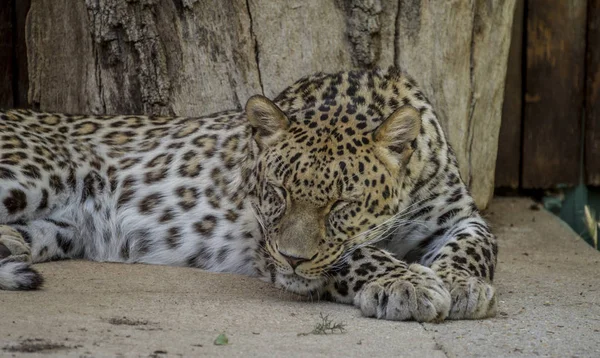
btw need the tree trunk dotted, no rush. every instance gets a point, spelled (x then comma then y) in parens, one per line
(191, 57)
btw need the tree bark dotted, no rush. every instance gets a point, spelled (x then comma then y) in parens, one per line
(191, 57)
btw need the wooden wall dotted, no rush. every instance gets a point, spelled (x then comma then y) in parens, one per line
(198, 57)
(592, 96)
(551, 110)
(6, 54)
(13, 53)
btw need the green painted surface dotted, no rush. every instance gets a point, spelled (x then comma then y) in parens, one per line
(570, 204)
(570, 207)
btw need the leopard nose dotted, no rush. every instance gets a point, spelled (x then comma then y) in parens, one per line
(294, 261)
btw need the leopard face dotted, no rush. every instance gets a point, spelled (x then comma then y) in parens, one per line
(325, 185)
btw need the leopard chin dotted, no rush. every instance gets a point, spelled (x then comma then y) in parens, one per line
(297, 284)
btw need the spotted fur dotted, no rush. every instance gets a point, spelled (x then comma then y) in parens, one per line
(344, 188)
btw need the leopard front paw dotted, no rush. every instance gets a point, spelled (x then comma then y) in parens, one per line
(417, 294)
(13, 245)
(472, 298)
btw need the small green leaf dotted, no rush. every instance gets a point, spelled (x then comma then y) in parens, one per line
(221, 340)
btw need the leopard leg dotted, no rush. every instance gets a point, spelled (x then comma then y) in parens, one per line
(387, 288)
(466, 262)
(22, 244)
(50, 239)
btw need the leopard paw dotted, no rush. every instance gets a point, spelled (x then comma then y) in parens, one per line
(418, 294)
(13, 245)
(15, 262)
(472, 298)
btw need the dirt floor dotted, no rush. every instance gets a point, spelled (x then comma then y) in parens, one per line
(548, 284)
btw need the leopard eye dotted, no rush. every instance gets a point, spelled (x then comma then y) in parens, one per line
(338, 205)
(274, 201)
(279, 190)
(336, 215)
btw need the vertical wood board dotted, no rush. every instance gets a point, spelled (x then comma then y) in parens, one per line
(508, 162)
(6, 54)
(554, 93)
(592, 101)
(21, 78)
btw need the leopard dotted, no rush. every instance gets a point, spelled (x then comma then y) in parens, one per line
(342, 188)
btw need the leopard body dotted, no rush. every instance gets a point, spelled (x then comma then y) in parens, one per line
(344, 187)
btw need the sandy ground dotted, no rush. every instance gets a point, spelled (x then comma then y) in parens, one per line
(548, 284)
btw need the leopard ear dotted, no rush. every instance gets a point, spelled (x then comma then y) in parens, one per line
(266, 119)
(398, 130)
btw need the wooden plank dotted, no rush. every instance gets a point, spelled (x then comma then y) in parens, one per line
(20, 47)
(6, 51)
(508, 162)
(592, 99)
(554, 93)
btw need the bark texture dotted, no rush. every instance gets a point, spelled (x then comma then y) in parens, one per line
(191, 57)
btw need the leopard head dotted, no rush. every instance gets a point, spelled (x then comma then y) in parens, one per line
(324, 185)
